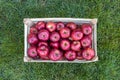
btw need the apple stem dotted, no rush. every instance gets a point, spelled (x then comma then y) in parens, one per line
(84, 42)
(56, 54)
(51, 27)
(65, 32)
(70, 55)
(33, 52)
(65, 44)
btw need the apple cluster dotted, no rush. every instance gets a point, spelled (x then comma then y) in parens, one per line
(60, 41)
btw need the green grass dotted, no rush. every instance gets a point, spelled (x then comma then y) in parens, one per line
(12, 13)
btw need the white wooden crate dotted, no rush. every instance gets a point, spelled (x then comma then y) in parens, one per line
(30, 21)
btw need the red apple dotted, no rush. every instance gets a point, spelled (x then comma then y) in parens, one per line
(55, 54)
(45, 58)
(54, 44)
(65, 44)
(42, 43)
(51, 26)
(43, 51)
(77, 34)
(33, 45)
(88, 53)
(54, 36)
(33, 30)
(85, 42)
(32, 52)
(32, 39)
(71, 25)
(70, 55)
(43, 35)
(40, 25)
(90, 46)
(60, 25)
(79, 55)
(90, 36)
(65, 32)
(75, 46)
(87, 29)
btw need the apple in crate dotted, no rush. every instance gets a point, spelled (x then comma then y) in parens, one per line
(43, 35)
(54, 44)
(86, 29)
(76, 34)
(86, 42)
(65, 32)
(60, 25)
(65, 44)
(32, 52)
(79, 55)
(44, 58)
(51, 26)
(33, 30)
(32, 39)
(76, 45)
(42, 43)
(55, 54)
(88, 53)
(71, 25)
(54, 37)
(40, 25)
(43, 51)
(90, 36)
(70, 55)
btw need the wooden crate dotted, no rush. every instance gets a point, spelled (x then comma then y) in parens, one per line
(30, 21)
